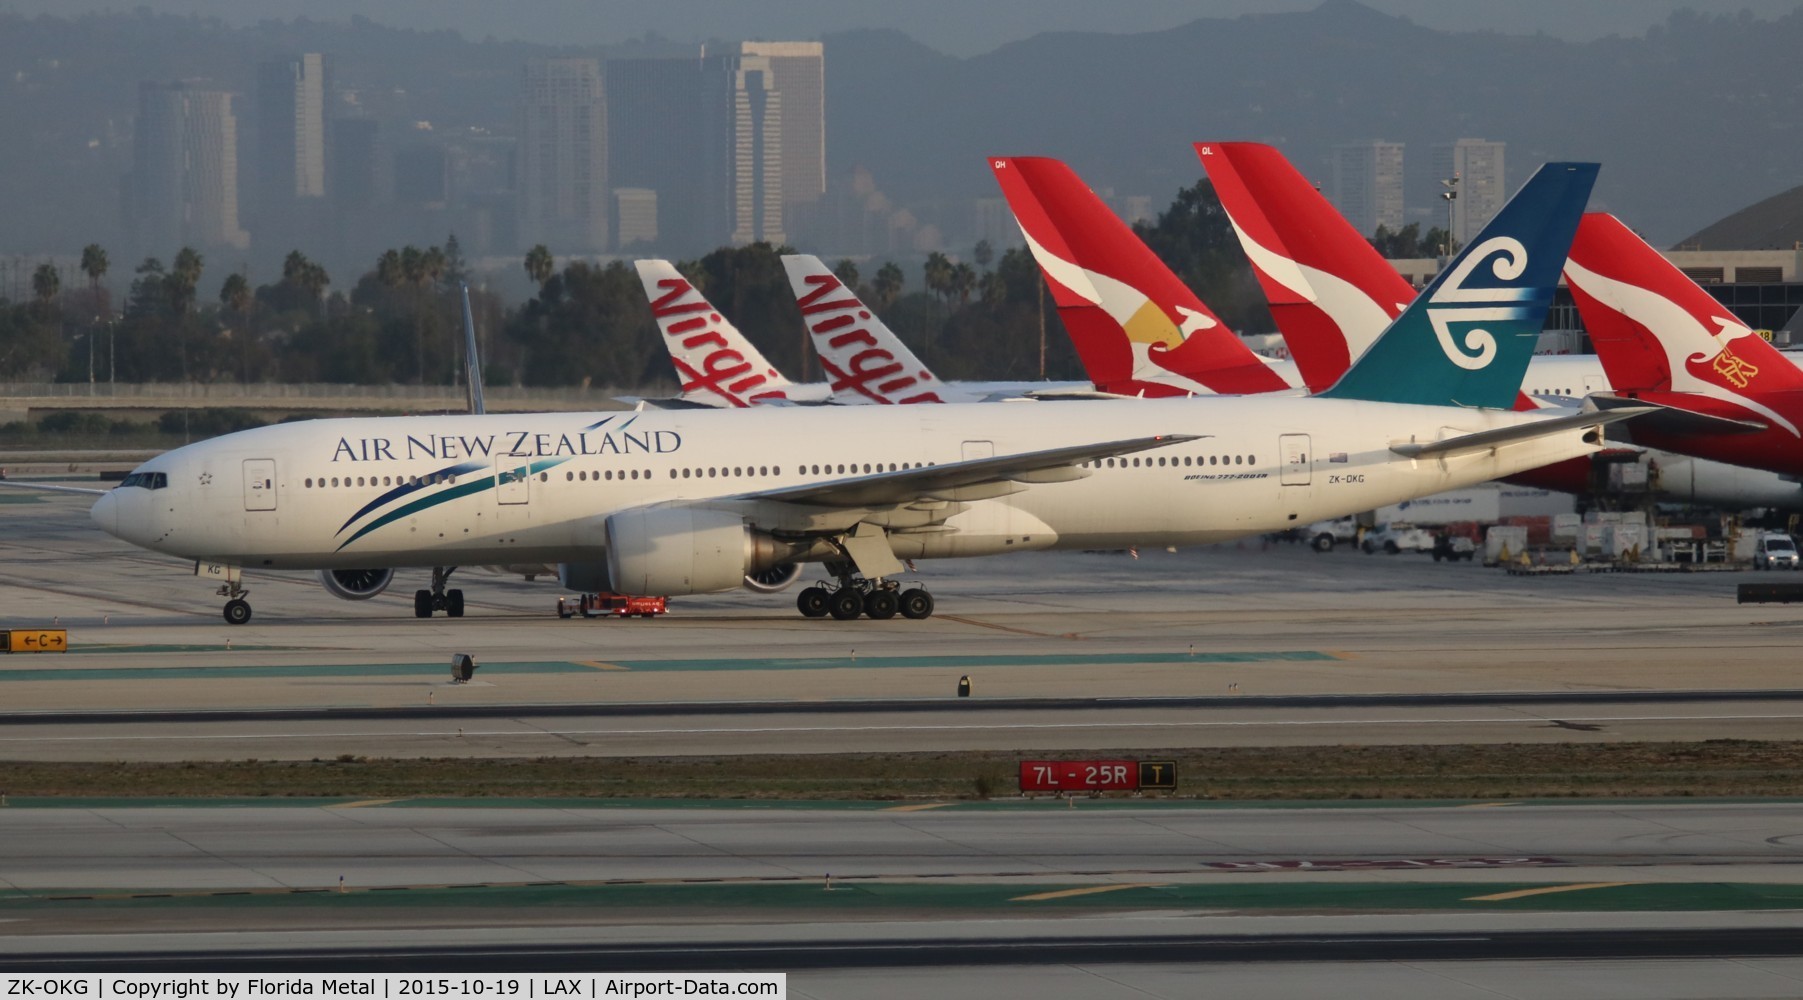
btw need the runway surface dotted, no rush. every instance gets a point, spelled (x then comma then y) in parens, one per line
(1227, 646)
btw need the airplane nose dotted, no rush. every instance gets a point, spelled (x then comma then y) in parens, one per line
(105, 513)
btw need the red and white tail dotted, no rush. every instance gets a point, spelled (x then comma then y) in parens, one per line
(714, 362)
(1330, 291)
(864, 361)
(1655, 329)
(1138, 329)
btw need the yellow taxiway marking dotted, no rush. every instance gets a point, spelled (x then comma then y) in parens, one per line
(598, 665)
(1488, 805)
(361, 803)
(917, 807)
(1519, 893)
(1086, 891)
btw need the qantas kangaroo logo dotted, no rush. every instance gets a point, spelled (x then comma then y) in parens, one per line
(686, 318)
(1508, 259)
(850, 354)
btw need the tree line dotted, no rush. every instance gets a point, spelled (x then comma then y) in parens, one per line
(399, 322)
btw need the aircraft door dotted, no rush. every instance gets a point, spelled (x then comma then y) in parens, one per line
(513, 479)
(978, 449)
(1296, 465)
(1595, 383)
(259, 484)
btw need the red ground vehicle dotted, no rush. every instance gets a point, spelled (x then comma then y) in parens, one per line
(611, 606)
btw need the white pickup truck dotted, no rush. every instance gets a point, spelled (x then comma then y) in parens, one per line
(1394, 538)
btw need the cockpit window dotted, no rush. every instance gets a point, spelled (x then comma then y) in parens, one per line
(146, 480)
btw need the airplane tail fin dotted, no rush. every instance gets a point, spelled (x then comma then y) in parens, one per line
(1137, 328)
(864, 361)
(1466, 340)
(1331, 293)
(1654, 329)
(472, 362)
(714, 362)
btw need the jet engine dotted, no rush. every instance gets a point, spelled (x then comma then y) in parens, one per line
(355, 584)
(771, 580)
(687, 550)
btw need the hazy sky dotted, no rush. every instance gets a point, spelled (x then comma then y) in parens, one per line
(959, 27)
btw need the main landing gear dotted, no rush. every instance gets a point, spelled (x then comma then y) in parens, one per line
(237, 609)
(878, 599)
(438, 599)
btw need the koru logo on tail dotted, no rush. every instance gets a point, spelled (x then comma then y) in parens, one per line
(1479, 305)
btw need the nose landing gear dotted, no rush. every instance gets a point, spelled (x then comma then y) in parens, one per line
(237, 609)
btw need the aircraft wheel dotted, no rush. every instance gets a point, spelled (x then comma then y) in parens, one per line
(454, 603)
(1324, 542)
(422, 604)
(916, 604)
(814, 602)
(881, 604)
(237, 611)
(846, 604)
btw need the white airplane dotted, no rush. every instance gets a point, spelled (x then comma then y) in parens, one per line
(690, 501)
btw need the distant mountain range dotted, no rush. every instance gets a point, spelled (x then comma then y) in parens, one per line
(1698, 119)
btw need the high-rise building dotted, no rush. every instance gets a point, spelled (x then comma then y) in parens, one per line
(799, 73)
(291, 130)
(635, 217)
(354, 172)
(655, 133)
(184, 181)
(1367, 185)
(1478, 165)
(742, 111)
(563, 156)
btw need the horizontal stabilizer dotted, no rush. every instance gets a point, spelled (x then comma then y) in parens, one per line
(51, 489)
(1667, 419)
(1516, 433)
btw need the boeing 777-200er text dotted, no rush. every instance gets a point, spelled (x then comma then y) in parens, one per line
(689, 501)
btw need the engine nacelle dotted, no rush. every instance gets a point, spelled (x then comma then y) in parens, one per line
(585, 578)
(685, 550)
(771, 580)
(355, 584)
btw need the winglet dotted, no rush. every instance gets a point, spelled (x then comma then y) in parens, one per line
(1467, 339)
(715, 363)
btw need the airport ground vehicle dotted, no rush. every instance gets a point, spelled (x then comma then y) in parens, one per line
(1774, 550)
(611, 606)
(1452, 548)
(1394, 538)
(1324, 535)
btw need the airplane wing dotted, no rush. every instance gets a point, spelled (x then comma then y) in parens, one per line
(1667, 419)
(15, 484)
(1500, 436)
(972, 479)
(865, 362)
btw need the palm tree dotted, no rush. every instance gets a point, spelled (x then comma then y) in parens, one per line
(939, 274)
(983, 253)
(184, 277)
(45, 284)
(235, 293)
(889, 283)
(847, 273)
(962, 281)
(94, 264)
(540, 265)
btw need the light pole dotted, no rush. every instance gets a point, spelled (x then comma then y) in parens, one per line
(1451, 195)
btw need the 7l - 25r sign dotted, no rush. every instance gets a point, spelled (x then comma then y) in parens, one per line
(1097, 775)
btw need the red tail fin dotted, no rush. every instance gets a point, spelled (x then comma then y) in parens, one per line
(1654, 329)
(1330, 291)
(1136, 326)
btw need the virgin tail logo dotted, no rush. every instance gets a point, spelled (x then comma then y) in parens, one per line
(864, 360)
(714, 362)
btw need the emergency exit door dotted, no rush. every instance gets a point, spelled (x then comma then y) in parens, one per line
(1296, 463)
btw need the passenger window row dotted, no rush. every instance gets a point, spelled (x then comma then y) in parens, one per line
(1172, 462)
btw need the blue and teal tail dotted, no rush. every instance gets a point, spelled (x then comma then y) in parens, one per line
(1466, 340)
